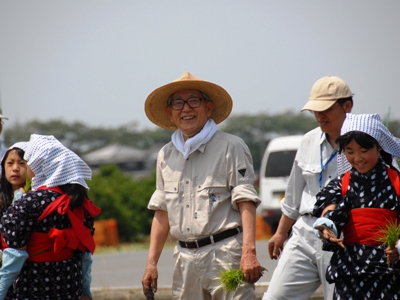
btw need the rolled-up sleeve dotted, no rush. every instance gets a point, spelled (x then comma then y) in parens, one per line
(241, 175)
(157, 200)
(291, 203)
(244, 193)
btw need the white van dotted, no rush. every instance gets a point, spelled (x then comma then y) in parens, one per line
(274, 175)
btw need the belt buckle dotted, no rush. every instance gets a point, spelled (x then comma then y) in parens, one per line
(189, 246)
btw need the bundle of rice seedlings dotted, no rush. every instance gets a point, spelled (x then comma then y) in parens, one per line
(232, 278)
(388, 235)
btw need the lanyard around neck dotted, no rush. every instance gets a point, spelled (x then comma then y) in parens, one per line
(323, 166)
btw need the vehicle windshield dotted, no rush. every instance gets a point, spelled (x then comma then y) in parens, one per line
(280, 163)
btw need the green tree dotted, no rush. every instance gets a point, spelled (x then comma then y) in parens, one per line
(81, 138)
(125, 199)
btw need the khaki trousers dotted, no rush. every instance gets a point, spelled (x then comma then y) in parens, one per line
(197, 271)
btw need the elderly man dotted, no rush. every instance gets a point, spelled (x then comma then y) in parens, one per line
(204, 194)
(302, 263)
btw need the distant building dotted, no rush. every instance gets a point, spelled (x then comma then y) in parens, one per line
(129, 159)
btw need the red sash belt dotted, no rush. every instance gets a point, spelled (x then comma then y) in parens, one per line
(365, 223)
(60, 244)
(49, 247)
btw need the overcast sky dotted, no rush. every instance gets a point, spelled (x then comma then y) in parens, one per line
(97, 61)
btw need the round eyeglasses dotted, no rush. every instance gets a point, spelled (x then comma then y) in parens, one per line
(178, 104)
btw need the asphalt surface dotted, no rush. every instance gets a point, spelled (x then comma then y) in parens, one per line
(125, 269)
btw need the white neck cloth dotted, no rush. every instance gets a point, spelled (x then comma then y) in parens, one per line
(372, 125)
(54, 164)
(192, 144)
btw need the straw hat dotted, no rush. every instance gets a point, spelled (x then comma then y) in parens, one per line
(325, 92)
(156, 102)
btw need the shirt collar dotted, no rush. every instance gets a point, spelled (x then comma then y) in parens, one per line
(323, 138)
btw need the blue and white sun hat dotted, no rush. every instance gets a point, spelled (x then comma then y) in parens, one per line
(54, 164)
(372, 125)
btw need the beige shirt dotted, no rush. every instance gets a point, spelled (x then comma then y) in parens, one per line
(201, 193)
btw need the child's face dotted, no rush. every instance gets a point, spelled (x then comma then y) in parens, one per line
(363, 160)
(15, 169)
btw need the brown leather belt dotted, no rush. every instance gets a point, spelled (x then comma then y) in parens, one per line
(211, 239)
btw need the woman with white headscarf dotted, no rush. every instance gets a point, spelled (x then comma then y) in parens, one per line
(367, 200)
(52, 226)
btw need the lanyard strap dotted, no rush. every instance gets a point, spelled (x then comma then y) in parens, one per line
(322, 164)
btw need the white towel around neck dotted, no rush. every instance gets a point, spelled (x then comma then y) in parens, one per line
(192, 144)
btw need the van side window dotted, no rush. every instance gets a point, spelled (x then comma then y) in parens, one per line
(280, 163)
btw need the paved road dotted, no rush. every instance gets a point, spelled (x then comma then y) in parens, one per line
(126, 269)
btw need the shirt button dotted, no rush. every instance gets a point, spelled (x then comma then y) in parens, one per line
(187, 182)
(187, 229)
(187, 205)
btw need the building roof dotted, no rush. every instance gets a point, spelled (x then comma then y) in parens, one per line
(114, 154)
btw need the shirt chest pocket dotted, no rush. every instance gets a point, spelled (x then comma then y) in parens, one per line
(311, 176)
(211, 192)
(171, 189)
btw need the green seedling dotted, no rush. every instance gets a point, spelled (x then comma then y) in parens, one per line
(388, 235)
(28, 184)
(232, 278)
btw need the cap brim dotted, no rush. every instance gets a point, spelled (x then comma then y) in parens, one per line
(318, 105)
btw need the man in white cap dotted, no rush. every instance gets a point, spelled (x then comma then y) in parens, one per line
(3, 149)
(302, 262)
(204, 194)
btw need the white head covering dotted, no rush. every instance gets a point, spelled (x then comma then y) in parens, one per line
(20, 145)
(54, 164)
(372, 125)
